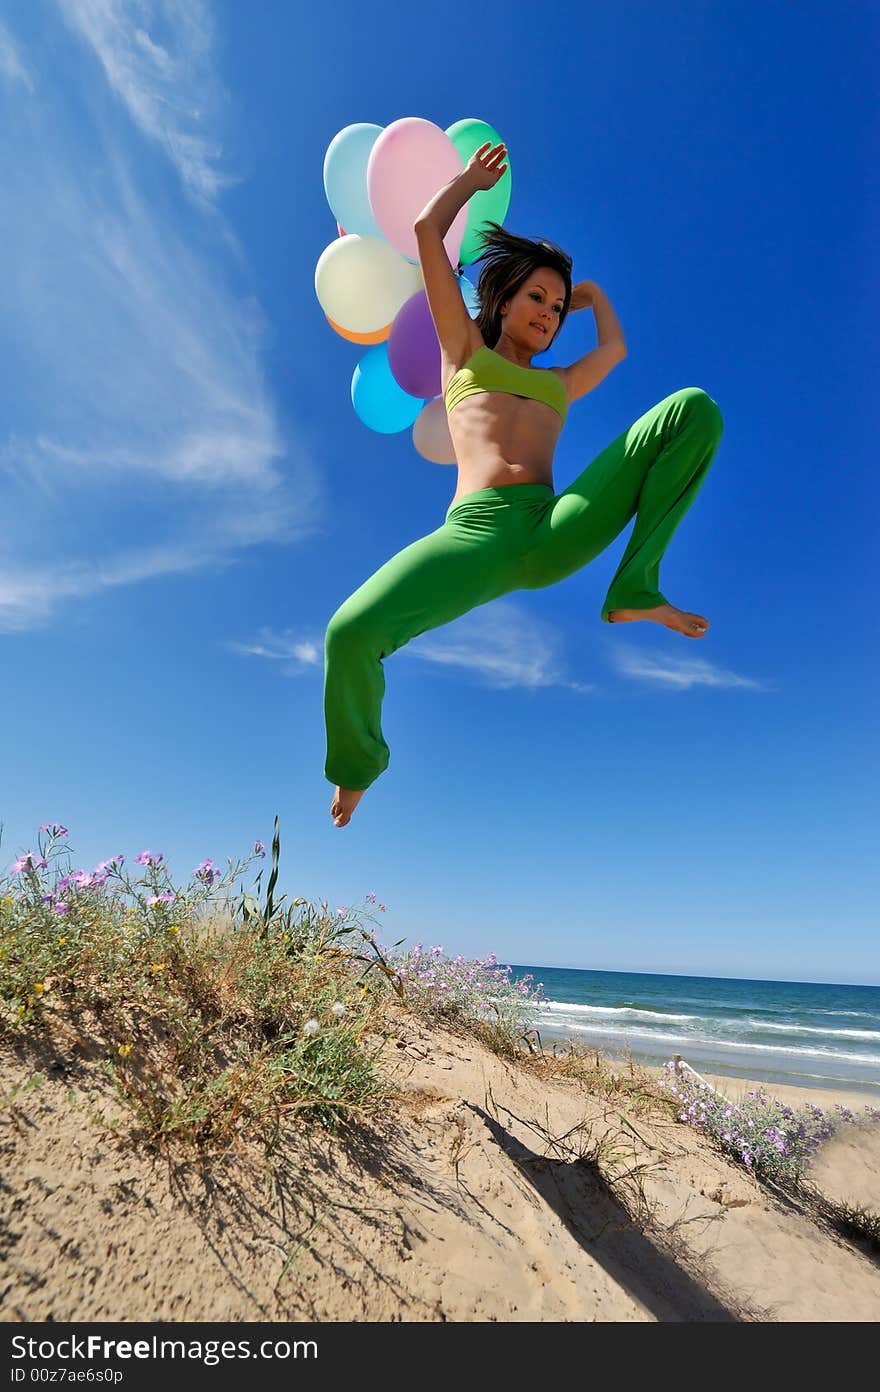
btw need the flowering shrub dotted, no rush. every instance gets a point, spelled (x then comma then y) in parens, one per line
(474, 992)
(40, 892)
(52, 915)
(771, 1139)
(211, 1010)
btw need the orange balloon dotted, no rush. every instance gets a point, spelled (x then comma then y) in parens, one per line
(377, 336)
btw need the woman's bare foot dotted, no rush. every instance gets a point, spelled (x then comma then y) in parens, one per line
(691, 625)
(344, 803)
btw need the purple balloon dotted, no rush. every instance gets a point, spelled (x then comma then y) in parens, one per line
(413, 348)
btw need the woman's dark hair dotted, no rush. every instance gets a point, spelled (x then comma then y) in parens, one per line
(508, 261)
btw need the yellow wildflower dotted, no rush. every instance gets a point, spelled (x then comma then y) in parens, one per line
(159, 966)
(124, 1050)
(174, 928)
(62, 940)
(39, 987)
(21, 1010)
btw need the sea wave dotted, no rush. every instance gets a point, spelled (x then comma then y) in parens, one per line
(818, 1029)
(695, 1041)
(642, 1013)
(858, 1014)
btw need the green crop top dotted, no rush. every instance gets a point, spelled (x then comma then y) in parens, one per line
(488, 371)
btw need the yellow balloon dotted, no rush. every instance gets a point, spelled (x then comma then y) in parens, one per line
(431, 435)
(361, 282)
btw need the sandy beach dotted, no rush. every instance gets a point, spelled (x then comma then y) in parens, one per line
(485, 1192)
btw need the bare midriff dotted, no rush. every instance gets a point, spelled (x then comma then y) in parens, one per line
(501, 439)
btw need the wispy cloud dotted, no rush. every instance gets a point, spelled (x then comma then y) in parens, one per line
(678, 672)
(299, 654)
(28, 595)
(11, 62)
(142, 439)
(501, 643)
(164, 78)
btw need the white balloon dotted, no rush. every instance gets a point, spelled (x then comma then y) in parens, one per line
(361, 282)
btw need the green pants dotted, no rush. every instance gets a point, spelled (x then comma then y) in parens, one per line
(518, 537)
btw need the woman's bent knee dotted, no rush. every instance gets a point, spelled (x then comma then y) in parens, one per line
(700, 404)
(357, 629)
(346, 630)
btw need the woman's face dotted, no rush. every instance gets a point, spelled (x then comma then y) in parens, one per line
(533, 312)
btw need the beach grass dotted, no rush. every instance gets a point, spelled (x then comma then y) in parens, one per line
(855, 1220)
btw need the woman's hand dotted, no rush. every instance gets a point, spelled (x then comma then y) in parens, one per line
(485, 166)
(582, 294)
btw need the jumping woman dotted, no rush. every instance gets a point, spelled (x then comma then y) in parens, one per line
(506, 528)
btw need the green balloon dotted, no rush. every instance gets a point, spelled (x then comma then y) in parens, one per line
(488, 205)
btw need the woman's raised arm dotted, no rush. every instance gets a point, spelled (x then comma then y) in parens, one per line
(451, 320)
(482, 172)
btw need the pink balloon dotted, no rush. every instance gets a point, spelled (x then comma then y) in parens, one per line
(411, 161)
(431, 435)
(413, 349)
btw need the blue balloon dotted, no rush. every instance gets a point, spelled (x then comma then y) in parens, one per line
(468, 294)
(345, 178)
(378, 399)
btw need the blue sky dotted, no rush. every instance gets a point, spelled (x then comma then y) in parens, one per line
(188, 494)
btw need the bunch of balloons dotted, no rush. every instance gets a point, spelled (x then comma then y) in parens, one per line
(369, 282)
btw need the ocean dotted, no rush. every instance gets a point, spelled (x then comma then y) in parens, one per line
(790, 1032)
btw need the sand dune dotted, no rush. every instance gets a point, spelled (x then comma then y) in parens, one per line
(473, 1199)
